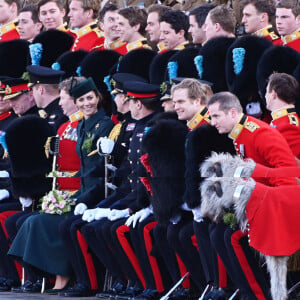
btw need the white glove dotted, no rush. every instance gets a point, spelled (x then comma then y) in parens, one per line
(116, 214)
(4, 194)
(80, 208)
(197, 214)
(26, 202)
(139, 216)
(4, 174)
(89, 215)
(105, 145)
(102, 213)
(253, 109)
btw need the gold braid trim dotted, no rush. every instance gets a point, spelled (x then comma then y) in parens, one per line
(115, 132)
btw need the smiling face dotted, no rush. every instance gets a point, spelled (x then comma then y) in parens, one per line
(88, 104)
(185, 107)
(124, 29)
(110, 25)
(51, 16)
(168, 35)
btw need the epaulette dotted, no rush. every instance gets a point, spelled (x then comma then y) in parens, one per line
(267, 31)
(141, 43)
(115, 132)
(282, 112)
(76, 116)
(89, 28)
(8, 27)
(238, 128)
(291, 37)
(202, 115)
(251, 126)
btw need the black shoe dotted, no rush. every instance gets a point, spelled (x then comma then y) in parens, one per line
(116, 289)
(7, 284)
(78, 290)
(29, 287)
(147, 294)
(129, 293)
(180, 294)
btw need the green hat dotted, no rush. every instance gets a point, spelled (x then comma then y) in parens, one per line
(83, 87)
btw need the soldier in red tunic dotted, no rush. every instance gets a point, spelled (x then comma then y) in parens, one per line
(257, 18)
(8, 20)
(83, 16)
(281, 94)
(287, 24)
(254, 139)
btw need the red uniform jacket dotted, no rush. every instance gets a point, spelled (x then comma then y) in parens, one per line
(202, 117)
(68, 160)
(117, 46)
(292, 40)
(141, 43)
(265, 145)
(273, 218)
(287, 122)
(88, 37)
(9, 31)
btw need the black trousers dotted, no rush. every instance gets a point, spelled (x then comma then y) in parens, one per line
(242, 264)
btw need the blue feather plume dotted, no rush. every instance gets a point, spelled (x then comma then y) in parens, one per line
(172, 69)
(36, 51)
(198, 61)
(238, 57)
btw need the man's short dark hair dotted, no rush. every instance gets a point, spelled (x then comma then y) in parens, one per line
(294, 5)
(201, 12)
(135, 16)
(43, 2)
(107, 7)
(34, 12)
(285, 85)
(158, 8)
(262, 6)
(177, 20)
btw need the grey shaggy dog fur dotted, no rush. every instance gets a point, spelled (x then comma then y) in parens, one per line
(217, 195)
(225, 165)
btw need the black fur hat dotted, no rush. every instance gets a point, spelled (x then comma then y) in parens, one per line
(241, 65)
(181, 64)
(97, 65)
(158, 67)
(54, 43)
(26, 138)
(69, 62)
(14, 58)
(278, 59)
(164, 142)
(137, 62)
(211, 60)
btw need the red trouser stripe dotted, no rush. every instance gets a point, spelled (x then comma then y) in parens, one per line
(3, 217)
(88, 261)
(182, 269)
(153, 262)
(222, 274)
(245, 265)
(129, 252)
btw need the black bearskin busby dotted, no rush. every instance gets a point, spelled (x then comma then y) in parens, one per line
(164, 144)
(26, 138)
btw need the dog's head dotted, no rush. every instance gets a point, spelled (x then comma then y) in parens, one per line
(226, 165)
(215, 199)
